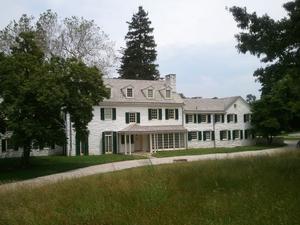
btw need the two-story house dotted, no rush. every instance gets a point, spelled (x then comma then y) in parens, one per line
(146, 115)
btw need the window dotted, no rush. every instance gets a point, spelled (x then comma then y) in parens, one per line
(129, 93)
(132, 117)
(190, 118)
(171, 114)
(235, 134)
(107, 113)
(203, 118)
(206, 135)
(223, 135)
(192, 135)
(154, 114)
(219, 118)
(150, 93)
(247, 118)
(168, 93)
(231, 118)
(109, 92)
(168, 141)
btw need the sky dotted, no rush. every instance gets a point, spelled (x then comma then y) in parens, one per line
(195, 38)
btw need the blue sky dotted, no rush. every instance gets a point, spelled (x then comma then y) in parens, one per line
(195, 38)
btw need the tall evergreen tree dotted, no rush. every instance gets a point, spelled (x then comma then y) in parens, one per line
(139, 55)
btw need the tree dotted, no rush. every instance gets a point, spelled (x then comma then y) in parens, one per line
(70, 37)
(277, 44)
(250, 98)
(36, 92)
(139, 56)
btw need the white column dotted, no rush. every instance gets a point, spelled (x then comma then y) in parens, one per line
(130, 144)
(125, 144)
(173, 141)
(150, 138)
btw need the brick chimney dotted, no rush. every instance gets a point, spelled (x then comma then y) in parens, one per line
(171, 81)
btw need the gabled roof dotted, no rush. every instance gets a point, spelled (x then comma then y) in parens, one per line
(117, 85)
(209, 104)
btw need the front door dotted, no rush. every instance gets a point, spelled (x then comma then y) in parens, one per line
(108, 143)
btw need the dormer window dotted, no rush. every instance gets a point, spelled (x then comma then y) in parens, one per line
(129, 93)
(109, 92)
(150, 93)
(168, 93)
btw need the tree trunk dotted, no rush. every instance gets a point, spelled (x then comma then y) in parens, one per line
(26, 155)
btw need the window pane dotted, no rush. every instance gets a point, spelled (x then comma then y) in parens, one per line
(176, 140)
(171, 113)
(129, 92)
(171, 143)
(150, 93)
(132, 117)
(154, 113)
(203, 118)
(107, 113)
(168, 93)
(190, 118)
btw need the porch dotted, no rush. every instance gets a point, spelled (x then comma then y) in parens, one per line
(136, 138)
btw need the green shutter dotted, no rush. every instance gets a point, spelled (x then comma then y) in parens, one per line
(233, 135)
(3, 145)
(103, 142)
(204, 136)
(102, 113)
(229, 135)
(160, 114)
(186, 118)
(176, 114)
(138, 117)
(241, 134)
(114, 116)
(127, 117)
(223, 118)
(209, 118)
(213, 135)
(149, 114)
(244, 118)
(221, 135)
(199, 118)
(115, 146)
(235, 118)
(167, 114)
(228, 118)
(199, 135)
(246, 134)
(195, 118)
(77, 144)
(189, 136)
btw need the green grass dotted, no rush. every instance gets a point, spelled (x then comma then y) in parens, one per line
(202, 151)
(41, 166)
(253, 191)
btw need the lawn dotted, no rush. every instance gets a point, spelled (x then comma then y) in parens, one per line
(41, 166)
(251, 191)
(202, 151)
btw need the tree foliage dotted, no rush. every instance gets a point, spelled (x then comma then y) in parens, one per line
(139, 55)
(250, 98)
(71, 37)
(277, 44)
(36, 92)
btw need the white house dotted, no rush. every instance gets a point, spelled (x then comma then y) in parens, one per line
(145, 115)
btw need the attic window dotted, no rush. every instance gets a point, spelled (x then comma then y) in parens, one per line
(129, 93)
(150, 93)
(168, 93)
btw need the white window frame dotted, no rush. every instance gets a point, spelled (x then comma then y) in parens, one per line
(153, 113)
(190, 116)
(219, 116)
(107, 111)
(173, 113)
(127, 89)
(248, 118)
(148, 91)
(204, 116)
(235, 137)
(231, 119)
(167, 91)
(194, 135)
(132, 117)
(209, 135)
(226, 134)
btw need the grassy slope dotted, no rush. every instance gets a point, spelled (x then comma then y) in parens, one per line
(252, 191)
(202, 151)
(41, 166)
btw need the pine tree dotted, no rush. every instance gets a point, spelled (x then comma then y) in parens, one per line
(139, 55)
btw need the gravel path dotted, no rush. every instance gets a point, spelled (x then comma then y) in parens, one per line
(110, 167)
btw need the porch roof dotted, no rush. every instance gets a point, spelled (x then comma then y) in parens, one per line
(135, 128)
